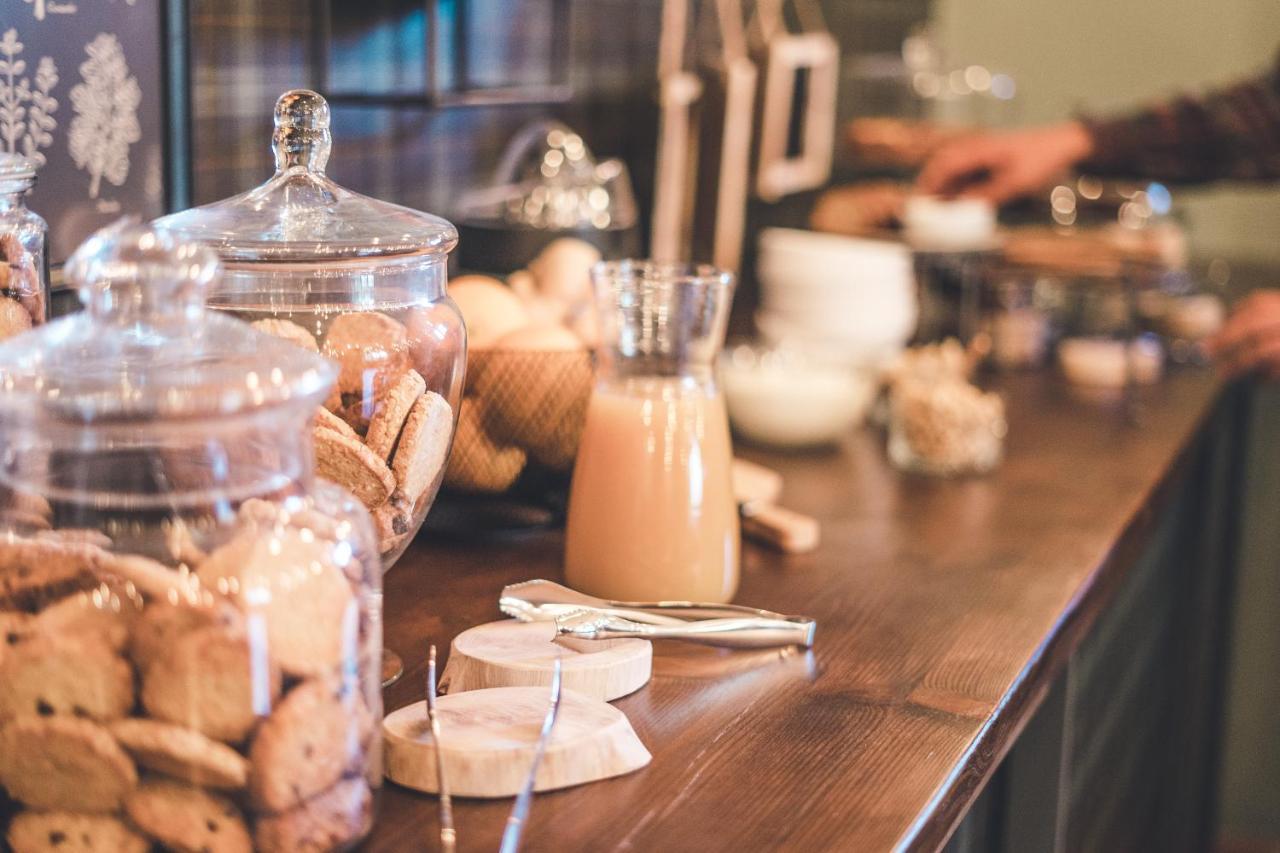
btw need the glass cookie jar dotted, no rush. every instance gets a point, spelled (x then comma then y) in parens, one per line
(24, 271)
(363, 282)
(190, 622)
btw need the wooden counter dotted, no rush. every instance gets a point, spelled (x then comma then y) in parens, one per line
(946, 612)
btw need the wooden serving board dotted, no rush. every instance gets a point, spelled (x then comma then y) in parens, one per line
(489, 738)
(521, 654)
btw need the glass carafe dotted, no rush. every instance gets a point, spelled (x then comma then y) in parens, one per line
(651, 511)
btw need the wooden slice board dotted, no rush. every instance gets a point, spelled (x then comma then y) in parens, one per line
(489, 738)
(521, 654)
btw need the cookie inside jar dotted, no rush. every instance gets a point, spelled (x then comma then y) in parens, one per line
(361, 282)
(189, 619)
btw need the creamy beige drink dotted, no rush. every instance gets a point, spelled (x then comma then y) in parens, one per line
(651, 512)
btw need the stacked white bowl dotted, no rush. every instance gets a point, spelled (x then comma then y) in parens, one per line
(848, 297)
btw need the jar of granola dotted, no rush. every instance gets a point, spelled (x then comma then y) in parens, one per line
(189, 620)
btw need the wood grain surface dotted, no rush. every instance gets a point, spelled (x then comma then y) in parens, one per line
(945, 610)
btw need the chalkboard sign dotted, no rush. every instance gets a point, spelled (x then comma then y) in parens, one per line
(83, 93)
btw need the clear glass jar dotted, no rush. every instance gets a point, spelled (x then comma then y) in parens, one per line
(364, 283)
(945, 427)
(24, 263)
(191, 621)
(652, 514)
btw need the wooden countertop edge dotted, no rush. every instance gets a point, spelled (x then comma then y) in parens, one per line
(935, 825)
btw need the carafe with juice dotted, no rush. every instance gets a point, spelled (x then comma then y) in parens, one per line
(652, 514)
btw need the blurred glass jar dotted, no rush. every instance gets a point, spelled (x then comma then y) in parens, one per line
(1020, 319)
(192, 623)
(945, 427)
(24, 263)
(364, 283)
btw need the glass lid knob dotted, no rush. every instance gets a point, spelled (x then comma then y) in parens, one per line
(131, 273)
(301, 138)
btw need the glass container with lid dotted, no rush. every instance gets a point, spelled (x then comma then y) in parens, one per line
(363, 282)
(24, 270)
(189, 620)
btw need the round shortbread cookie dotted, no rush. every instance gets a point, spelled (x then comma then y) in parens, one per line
(102, 616)
(325, 419)
(184, 754)
(162, 624)
(392, 522)
(289, 331)
(371, 349)
(14, 628)
(329, 821)
(14, 318)
(49, 674)
(391, 410)
(187, 819)
(64, 763)
(289, 576)
(349, 463)
(424, 445)
(211, 681)
(76, 536)
(34, 572)
(304, 745)
(68, 832)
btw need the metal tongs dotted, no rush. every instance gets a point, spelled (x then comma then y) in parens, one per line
(588, 618)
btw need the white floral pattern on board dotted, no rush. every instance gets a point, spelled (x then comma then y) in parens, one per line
(106, 108)
(26, 110)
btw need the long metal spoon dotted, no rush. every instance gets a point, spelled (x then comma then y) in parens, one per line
(520, 811)
(448, 837)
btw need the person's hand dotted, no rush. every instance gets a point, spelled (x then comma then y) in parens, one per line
(1003, 166)
(1250, 339)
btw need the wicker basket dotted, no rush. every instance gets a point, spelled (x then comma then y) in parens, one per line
(521, 408)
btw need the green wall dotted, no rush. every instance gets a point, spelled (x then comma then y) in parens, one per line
(1104, 55)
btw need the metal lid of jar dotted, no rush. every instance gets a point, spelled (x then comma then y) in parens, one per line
(145, 348)
(300, 215)
(17, 173)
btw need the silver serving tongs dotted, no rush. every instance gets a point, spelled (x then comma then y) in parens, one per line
(520, 809)
(448, 835)
(590, 618)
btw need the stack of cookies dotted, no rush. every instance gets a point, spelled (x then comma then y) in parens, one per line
(212, 706)
(382, 434)
(21, 297)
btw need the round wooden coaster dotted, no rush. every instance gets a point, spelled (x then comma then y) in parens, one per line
(521, 654)
(489, 738)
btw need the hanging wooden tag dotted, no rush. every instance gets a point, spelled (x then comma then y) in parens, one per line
(798, 105)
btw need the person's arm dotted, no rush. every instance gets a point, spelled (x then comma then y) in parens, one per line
(1228, 133)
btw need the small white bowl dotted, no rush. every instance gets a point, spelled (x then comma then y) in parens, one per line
(785, 399)
(1102, 363)
(938, 224)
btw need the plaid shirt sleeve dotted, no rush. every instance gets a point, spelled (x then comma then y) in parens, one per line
(1231, 133)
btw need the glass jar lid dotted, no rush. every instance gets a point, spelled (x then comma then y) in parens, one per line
(145, 348)
(301, 215)
(17, 173)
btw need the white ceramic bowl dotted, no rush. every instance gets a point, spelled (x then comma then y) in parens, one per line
(1106, 364)
(856, 296)
(938, 224)
(785, 399)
